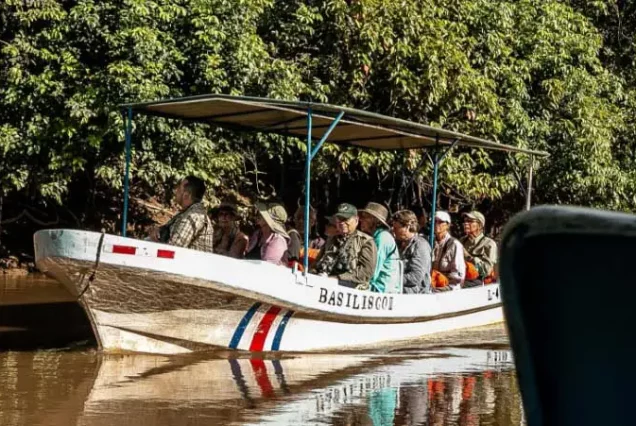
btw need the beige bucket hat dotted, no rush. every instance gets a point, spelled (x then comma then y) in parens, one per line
(275, 216)
(378, 211)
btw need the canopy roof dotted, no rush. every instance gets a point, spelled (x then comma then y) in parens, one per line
(289, 118)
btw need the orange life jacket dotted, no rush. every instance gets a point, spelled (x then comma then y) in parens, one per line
(313, 255)
(471, 272)
(438, 279)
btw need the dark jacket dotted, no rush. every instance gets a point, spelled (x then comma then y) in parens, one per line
(351, 258)
(416, 256)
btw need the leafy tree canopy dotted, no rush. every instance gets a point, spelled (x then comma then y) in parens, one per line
(545, 74)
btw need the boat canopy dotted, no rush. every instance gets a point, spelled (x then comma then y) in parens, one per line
(290, 118)
(317, 123)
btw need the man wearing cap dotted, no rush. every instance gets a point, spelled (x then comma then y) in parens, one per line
(448, 252)
(373, 221)
(350, 255)
(478, 248)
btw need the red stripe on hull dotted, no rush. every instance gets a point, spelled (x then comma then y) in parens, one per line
(165, 254)
(258, 341)
(124, 249)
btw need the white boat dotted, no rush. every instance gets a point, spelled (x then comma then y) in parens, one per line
(148, 297)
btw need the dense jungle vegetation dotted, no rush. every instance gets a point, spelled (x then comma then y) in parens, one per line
(551, 75)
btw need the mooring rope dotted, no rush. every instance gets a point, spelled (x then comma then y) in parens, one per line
(97, 258)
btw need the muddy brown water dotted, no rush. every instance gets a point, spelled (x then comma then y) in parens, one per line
(51, 374)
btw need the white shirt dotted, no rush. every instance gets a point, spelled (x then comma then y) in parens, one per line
(451, 263)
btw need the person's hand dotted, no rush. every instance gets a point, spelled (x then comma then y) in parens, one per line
(153, 234)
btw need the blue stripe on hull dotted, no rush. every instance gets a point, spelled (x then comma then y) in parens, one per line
(281, 329)
(238, 333)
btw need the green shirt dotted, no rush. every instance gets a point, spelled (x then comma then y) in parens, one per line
(386, 275)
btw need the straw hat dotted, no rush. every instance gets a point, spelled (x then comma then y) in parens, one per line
(275, 216)
(378, 211)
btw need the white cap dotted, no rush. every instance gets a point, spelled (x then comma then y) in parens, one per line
(442, 216)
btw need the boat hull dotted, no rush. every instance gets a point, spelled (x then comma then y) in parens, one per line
(185, 301)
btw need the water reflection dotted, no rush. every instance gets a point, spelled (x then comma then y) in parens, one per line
(430, 387)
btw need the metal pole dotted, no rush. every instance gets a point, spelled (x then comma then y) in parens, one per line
(311, 153)
(324, 137)
(307, 196)
(124, 221)
(529, 188)
(438, 156)
(431, 237)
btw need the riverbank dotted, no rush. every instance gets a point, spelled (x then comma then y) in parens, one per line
(37, 312)
(12, 265)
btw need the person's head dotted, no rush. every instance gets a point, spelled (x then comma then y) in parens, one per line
(442, 224)
(227, 215)
(373, 216)
(474, 223)
(190, 190)
(422, 216)
(331, 227)
(299, 218)
(405, 225)
(346, 218)
(272, 218)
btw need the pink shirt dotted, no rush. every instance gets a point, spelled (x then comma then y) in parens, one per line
(273, 250)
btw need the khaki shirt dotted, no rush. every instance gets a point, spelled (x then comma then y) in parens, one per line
(482, 251)
(351, 258)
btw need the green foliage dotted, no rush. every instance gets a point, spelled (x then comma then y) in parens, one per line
(545, 74)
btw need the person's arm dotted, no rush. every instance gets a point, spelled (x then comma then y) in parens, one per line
(458, 271)
(239, 246)
(365, 267)
(487, 262)
(294, 245)
(315, 269)
(418, 267)
(274, 249)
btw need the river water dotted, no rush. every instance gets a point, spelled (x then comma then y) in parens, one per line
(51, 374)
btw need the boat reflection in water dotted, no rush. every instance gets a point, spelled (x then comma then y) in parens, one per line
(433, 386)
(445, 386)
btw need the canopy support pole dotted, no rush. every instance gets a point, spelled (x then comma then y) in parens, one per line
(311, 153)
(438, 156)
(529, 185)
(307, 195)
(124, 220)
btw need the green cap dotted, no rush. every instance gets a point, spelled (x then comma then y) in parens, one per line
(346, 211)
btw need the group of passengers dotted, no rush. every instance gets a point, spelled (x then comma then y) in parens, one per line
(364, 249)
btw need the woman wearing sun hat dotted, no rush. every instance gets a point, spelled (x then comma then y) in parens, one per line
(269, 241)
(373, 221)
